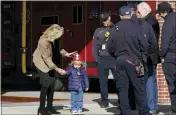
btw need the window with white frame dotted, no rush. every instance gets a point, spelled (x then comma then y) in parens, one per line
(77, 14)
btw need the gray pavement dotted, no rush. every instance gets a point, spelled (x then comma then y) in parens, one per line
(91, 104)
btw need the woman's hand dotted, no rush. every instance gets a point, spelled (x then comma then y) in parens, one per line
(71, 54)
(61, 71)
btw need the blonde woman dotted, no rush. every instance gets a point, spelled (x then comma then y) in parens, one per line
(42, 59)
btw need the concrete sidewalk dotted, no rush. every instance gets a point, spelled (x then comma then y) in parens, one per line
(17, 103)
(27, 102)
(63, 109)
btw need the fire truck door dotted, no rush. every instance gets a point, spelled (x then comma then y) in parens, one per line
(44, 15)
(74, 28)
(93, 22)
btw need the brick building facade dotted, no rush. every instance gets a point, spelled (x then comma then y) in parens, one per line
(163, 95)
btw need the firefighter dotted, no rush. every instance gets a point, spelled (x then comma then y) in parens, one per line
(105, 61)
(127, 44)
(168, 50)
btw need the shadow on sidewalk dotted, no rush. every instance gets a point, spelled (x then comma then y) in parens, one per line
(114, 102)
(116, 110)
(67, 108)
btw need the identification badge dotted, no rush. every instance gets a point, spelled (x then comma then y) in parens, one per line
(103, 47)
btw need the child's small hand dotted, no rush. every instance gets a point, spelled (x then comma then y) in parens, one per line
(86, 89)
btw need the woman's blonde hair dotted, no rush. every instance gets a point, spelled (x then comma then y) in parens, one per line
(53, 32)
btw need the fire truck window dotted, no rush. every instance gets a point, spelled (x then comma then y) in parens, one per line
(49, 20)
(77, 14)
(80, 14)
(74, 14)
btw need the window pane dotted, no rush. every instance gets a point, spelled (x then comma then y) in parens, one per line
(55, 20)
(80, 14)
(74, 14)
(49, 20)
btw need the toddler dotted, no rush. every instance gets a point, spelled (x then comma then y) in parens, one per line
(77, 83)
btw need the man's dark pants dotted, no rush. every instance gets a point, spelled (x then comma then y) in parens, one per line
(104, 65)
(126, 73)
(169, 70)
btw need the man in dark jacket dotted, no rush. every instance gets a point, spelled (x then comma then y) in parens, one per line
(168, 50)
(148, 16)
(144, 13)
(128, 45)
(150, 74)
(105, 61)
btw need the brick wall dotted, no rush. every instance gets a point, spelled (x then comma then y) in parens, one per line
(163, 95)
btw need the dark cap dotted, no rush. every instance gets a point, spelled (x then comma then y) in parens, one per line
(163, 7)
(104, 16)
(132, 6)
(125, 10)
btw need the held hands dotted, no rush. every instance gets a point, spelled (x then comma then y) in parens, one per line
(86, 89)
(61, 71)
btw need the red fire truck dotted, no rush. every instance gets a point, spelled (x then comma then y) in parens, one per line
(79, 19)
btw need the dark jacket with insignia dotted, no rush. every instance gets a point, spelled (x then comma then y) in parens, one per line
(127, 32)
(101, 35)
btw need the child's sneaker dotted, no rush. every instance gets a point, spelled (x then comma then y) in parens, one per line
(79, 112)
(74, 112)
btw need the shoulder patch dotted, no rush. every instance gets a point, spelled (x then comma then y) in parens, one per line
(107, 34)
(117, 28)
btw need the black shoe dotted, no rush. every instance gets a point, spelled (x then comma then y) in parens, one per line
(52, 110)
(43, 112)
(170, 113)
(155, 112)
(105, 105)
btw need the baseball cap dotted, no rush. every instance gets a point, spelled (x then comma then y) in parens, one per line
(104, 16)
(125, 10)
(162, 7)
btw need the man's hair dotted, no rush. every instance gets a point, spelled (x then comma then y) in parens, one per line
(144, 9)
(133, 6)
(104, 16)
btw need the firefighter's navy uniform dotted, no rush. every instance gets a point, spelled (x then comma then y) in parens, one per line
(151, 82)
(128, 44)
(105, 61)
(168, 51)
